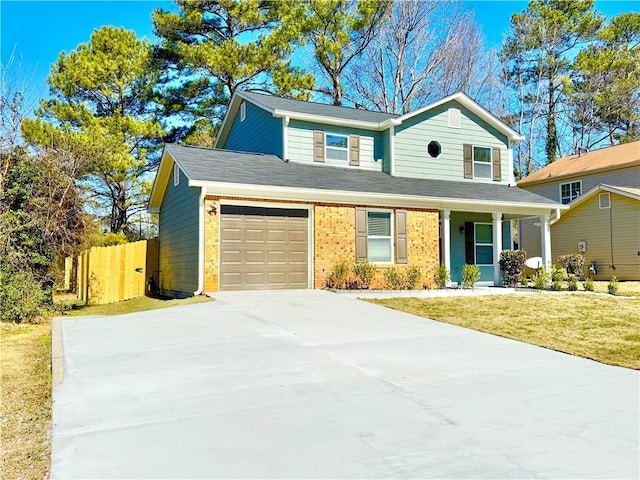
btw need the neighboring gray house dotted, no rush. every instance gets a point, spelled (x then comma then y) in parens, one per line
(294, 187)
(602, 192)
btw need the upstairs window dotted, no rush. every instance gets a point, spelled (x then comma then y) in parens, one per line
(481, 162)
(379, 239)
(243, 111)
(570, 191)
(604, 200)
(336, 147)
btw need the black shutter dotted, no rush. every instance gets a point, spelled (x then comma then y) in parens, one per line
(469, 243)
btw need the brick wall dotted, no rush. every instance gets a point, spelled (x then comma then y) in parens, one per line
(334, 242)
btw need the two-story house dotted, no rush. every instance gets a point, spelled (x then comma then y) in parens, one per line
(601, 189)
(292, 188)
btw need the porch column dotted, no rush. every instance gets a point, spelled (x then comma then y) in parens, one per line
(545, 241)
(446, 240)
(497, 246)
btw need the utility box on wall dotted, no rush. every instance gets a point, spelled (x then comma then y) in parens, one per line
(582, 246)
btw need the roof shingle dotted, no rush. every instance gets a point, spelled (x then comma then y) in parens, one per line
(214, 165)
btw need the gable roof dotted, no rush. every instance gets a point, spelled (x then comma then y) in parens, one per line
(609, 158)
(345, 116)
(260, 174)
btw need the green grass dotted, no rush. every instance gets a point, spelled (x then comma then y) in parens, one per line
(140, 304)
(602, 328)
(25, 400)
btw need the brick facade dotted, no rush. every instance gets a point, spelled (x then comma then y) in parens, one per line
(334, 241)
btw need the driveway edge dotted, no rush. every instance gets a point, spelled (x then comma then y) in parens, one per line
(57, 352)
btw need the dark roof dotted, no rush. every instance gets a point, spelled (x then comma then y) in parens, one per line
(320, 109)
(213, 165)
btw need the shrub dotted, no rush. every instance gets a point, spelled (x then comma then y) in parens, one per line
(470, 275)
(338, 276)
(512, 266)
(612, 288)
(21, 296)
(393, 280)
(558, 275)
(441, 277)
(588, 284)
(573, 264)
(573, 283)
(412, 278)
(363, 272)
(542, 279)
(523, 280)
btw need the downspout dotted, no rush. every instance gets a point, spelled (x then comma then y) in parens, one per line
(392, 154)
(200, 243)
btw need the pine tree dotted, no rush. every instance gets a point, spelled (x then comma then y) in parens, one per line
(101, 118)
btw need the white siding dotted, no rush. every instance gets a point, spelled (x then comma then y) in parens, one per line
(300, 148)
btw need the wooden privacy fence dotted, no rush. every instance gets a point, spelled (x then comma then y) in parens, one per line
(120, 272)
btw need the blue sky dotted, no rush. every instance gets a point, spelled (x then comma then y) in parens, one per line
(37, 31)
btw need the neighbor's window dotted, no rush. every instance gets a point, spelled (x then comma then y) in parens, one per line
(434, 149)
(243, 111)
(176, 175)
(483, 243)
(379, 239)
(481, 162)
(336, 147)
(570, 191)
(605, 200)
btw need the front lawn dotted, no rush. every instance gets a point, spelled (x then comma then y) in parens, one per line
(599, 327)
(25, 400)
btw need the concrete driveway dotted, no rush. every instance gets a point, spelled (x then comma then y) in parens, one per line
(309, 384)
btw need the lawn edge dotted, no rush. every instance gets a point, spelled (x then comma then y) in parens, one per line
(57, 352)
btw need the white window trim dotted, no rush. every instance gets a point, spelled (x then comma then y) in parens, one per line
(243, 111)
(176, 175)
(326, 147)
(606, 195)
(473, 162)
(452, 116)
(475, 245)
(569, 183)
(391, 237)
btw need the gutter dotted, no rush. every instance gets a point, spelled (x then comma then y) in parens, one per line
(201, 243)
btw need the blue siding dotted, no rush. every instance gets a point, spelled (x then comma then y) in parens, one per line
(178, 239)
(260, 132)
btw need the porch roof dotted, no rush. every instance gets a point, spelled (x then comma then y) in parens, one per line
(213, 167)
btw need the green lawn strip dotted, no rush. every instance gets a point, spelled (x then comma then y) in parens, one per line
(140, 304)
(591, 326)
(25, 400)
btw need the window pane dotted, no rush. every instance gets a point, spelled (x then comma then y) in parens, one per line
(484, 233)
(575, 190)
(339, 141)
(484, 255)
(481, 170)
(379, 224)
(336, 154)
(379, 249)
(482, 154)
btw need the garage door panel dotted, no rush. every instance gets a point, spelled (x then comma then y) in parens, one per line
(231, 234)
(276, 235)
(231, 257)
(263, 248)
(255, 235)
